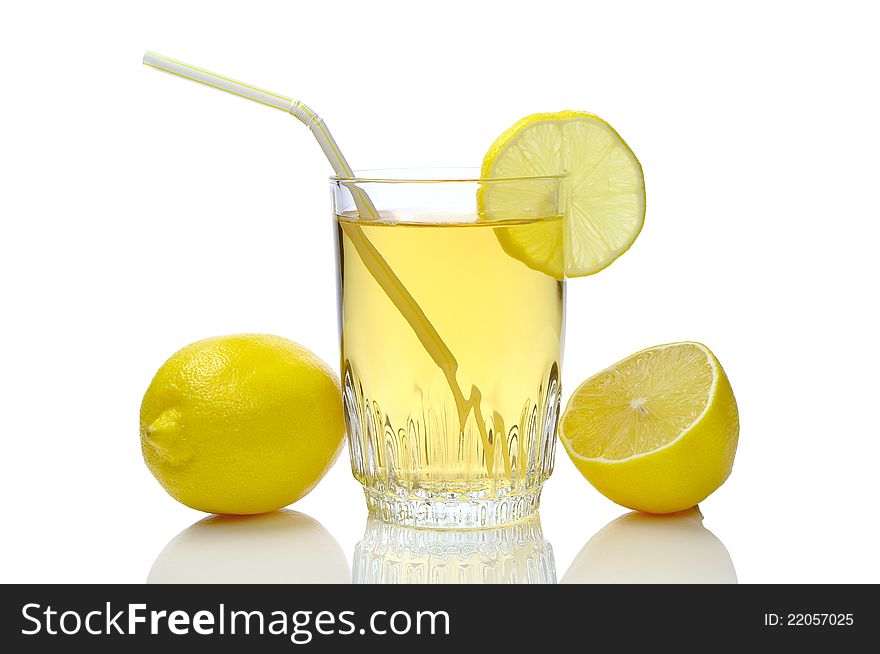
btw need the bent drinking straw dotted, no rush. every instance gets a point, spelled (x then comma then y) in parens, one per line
(297, 109)
(371, 257)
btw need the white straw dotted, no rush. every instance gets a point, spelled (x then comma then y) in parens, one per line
(294, 107)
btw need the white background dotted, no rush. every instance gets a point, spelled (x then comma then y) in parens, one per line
(141, 212)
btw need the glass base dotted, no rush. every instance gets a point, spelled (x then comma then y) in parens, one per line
(444, 513)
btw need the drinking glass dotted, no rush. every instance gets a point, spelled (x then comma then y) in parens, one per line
(451, 299)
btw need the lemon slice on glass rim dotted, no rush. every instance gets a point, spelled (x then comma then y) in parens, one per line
(604, 185)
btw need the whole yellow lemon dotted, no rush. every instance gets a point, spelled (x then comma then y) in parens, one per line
(241, 424)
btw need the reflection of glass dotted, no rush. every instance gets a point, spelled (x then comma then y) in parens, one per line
(451, 343)
(638, 548)
(284, 547)
(515, 554)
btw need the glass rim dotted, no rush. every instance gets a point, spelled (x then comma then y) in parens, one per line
(434, 175)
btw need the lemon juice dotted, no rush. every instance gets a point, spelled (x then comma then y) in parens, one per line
(464, 437)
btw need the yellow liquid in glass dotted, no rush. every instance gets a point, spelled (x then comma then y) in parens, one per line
(418, 458)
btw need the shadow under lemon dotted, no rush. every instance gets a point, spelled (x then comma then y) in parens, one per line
(514, 554)
(639, 548)
(284, 547)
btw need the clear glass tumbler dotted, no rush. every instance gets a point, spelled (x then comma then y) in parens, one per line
(451, 300)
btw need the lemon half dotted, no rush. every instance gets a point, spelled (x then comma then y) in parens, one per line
(656, 432)
(605, 191)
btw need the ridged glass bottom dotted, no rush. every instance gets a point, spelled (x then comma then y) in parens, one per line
(515, 554)
(440, 512)
(437, 474)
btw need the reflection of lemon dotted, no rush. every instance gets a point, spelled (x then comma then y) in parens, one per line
(605, 192)
(648, 549)
(657, 431)
(282, 547)
(241, 424)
